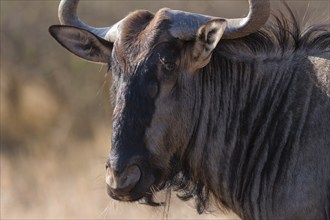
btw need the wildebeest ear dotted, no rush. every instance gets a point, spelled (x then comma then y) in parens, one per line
(82, 43)
(207, 38)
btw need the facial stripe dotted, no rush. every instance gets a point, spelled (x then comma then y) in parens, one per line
(134, 113)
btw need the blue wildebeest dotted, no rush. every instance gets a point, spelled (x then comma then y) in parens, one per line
(233, 111)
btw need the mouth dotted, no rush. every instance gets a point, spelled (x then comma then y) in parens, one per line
(143, 192)
(146, 198)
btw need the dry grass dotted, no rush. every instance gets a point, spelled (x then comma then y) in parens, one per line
(56, 116)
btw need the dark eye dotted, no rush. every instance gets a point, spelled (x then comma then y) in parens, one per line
(169, 66)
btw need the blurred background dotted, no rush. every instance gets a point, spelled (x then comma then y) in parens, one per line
(56, 114)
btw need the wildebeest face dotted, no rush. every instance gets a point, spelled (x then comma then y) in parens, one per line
(150, 69)
(143, 97)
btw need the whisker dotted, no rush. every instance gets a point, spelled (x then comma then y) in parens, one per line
(167, 203)
(98, 177)
(114, 206)
(105, 212)
(103, 85)
(153, 190)
(101, 67)
(99, 182)
(156, 188)
(306, 11)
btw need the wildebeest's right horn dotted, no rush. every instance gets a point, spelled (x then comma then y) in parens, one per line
(259, 11)
(67, 14)
(185, 24)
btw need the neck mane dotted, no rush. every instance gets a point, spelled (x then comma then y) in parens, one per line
(242, 103)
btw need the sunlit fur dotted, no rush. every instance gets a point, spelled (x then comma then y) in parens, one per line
(245, 126)
(252, 105)
(231, 133)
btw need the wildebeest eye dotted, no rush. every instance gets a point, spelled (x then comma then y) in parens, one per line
(169, 66)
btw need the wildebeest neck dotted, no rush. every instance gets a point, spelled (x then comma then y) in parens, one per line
(249, 119)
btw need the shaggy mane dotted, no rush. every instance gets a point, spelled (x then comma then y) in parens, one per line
(282, 36)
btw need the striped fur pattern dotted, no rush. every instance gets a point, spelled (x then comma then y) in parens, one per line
(251, 129)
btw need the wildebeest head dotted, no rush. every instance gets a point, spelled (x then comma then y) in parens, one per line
(152, 58)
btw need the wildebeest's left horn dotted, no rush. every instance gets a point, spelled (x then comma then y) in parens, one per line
(185, 24)
(67, 14)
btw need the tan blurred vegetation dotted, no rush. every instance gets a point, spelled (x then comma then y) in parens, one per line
(56, 115)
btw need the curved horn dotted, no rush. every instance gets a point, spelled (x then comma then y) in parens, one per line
(185, 24)
(259, 12)
(67, 14)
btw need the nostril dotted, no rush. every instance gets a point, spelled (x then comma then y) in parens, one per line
(124, 181)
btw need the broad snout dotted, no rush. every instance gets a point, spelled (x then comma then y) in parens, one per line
(121, 183)
(129, 182)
